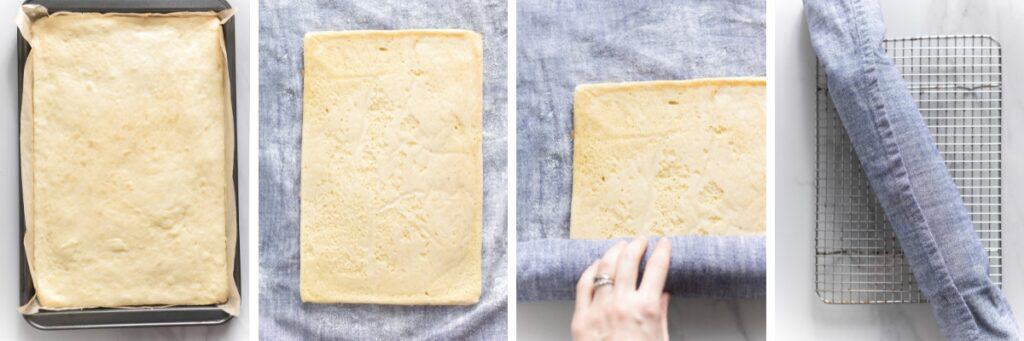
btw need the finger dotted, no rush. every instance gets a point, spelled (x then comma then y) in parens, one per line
(657, 268)
(665, 298)
(585, 287)
(628, 265)
(606, 267)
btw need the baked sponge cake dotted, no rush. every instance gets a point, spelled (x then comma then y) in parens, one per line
(669, 158)
(126, 161)
(391, 182)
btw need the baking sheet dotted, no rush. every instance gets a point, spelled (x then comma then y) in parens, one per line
(282, 314)
(566, 43)
(132, 315)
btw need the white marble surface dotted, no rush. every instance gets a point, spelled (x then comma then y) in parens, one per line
(12, 325)
(689, 319)
(798, 312)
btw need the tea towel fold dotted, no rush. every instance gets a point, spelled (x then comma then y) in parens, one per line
(704, 267)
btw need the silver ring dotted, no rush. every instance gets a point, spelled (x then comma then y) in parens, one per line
(602, 280)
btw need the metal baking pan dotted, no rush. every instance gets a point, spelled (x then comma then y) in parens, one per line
(117, 317)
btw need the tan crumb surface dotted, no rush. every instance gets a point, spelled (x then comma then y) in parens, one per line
(391, 183)
(669, 158)
(128, 156)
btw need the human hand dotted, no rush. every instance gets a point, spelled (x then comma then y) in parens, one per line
(615, 309)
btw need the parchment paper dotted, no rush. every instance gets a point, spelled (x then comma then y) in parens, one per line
(282, 314)
(565, 43)
(24, 19)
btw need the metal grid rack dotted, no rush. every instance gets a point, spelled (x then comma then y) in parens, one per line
(957, 83)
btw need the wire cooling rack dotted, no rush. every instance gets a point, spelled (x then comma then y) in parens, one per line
(957, 83)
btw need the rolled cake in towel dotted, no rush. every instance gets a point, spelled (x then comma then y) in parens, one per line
(701, 267)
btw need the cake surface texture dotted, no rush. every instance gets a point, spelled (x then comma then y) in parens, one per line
(127, 148)
(668, 158)
(391, 179)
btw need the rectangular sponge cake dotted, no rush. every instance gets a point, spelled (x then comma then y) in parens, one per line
(669, 158)
(391, 183)
(128, 137)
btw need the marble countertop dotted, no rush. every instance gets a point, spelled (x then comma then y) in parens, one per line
(689, 319)
(799, 313)
(12, 325)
